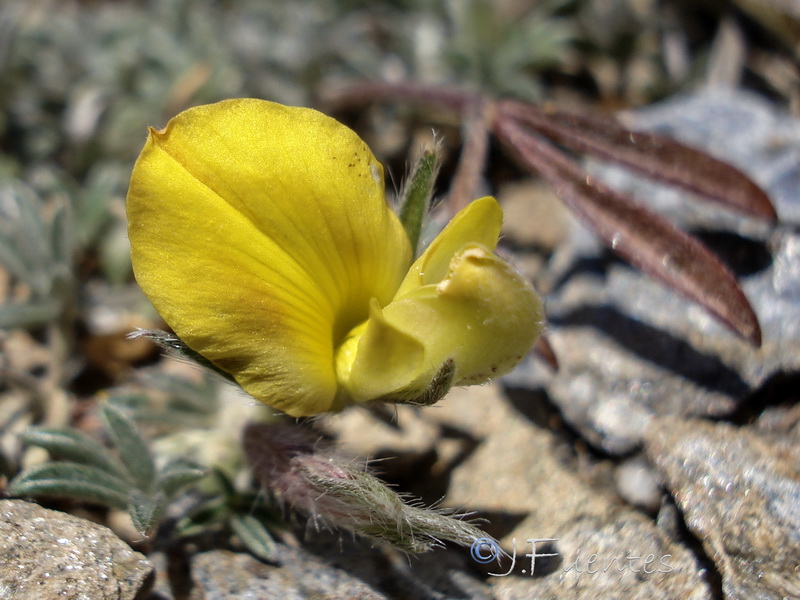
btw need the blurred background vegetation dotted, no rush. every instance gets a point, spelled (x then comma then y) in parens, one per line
(81, 81)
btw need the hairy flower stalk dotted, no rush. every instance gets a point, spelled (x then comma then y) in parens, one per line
(307, 474)
(262, 235)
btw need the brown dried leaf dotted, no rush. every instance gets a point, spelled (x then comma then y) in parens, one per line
(646, 240)
(656, 156)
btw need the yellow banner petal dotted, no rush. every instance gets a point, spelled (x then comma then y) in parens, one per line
(260, 233)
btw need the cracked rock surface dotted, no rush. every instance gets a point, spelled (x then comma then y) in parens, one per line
(48, 554)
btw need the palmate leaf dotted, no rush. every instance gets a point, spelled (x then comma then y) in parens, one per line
(23, 234)
(128, 481)
(37, 252)
(646, 240)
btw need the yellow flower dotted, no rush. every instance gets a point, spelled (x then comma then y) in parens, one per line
(261, 234)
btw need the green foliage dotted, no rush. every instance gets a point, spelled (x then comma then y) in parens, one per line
(502, 53)
(243, 513)
(37, 252)
(130, 480)
(131, 447)
(168, 404)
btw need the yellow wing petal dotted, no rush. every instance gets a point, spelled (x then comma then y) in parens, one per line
(260, 233)
(479, 222)
(483, 315)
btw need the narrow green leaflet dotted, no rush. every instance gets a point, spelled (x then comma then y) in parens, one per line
(62, 243)
(417, 194)
(145, 510)
(255, 536)
(76, 447)
(71, 480)
(177, 474)
(12, 260)
(132, 448)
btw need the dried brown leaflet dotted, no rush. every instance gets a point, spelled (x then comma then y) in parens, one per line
(653, 155)
(646, 240)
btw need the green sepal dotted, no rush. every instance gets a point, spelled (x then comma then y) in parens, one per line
(436, 390)
(417, 194)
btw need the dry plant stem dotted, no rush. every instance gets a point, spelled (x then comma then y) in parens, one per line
(544, 350)
(646, 240)
(472, 161)
(456, 100)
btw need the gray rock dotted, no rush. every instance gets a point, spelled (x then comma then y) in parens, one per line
(621, 555)
(223, 575)
(48, 554)
(162, 584)
(331, 567)
(601, 545)
(638, 484)
(740, 494)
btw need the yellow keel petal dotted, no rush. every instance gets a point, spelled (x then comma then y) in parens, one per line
(484, 316)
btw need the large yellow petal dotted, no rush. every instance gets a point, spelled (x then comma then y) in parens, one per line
(260, 233)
